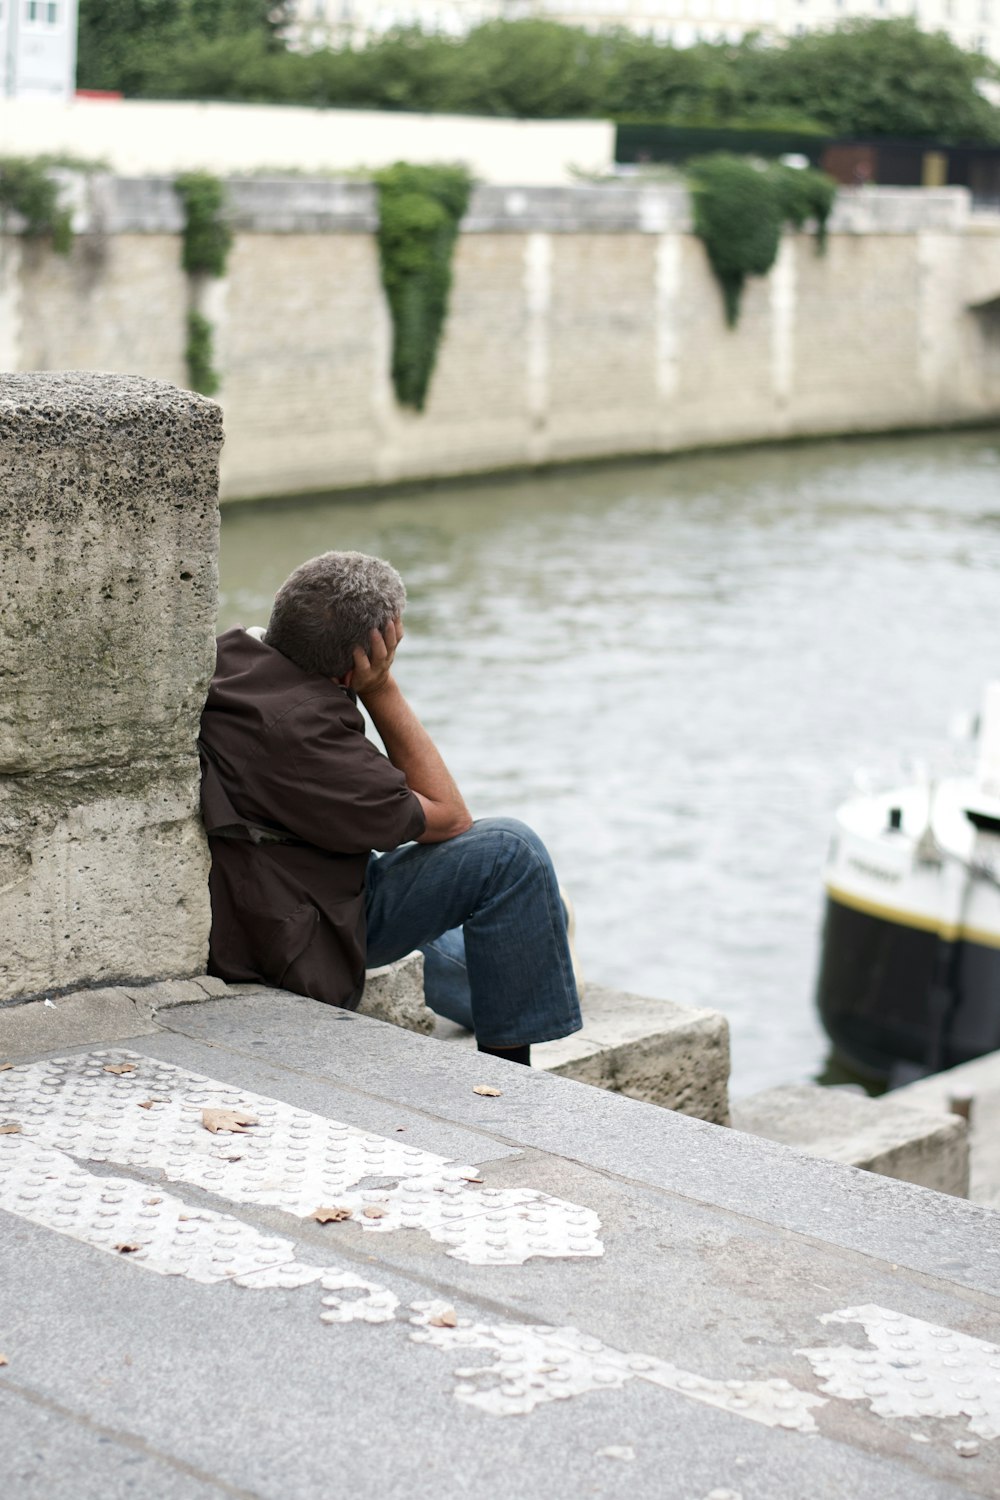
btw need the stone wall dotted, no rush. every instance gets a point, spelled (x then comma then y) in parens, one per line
(108, 585)
(584, 322)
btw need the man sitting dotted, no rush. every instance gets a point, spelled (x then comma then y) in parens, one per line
(295, 798)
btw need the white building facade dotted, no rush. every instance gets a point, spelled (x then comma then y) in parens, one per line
(973, 24)
(38, 49)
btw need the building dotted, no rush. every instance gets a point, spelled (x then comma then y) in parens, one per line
(973, 24)
(38, 49)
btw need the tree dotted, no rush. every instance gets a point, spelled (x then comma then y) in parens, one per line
(651, 82)
(119, 41)
(866, 78)
(873, 78)
(535, 70)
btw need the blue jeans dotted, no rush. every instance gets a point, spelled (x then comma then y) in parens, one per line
(485, 910)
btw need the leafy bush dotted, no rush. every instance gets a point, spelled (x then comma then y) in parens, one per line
(420, 209)
(27, 188)
(207, 235)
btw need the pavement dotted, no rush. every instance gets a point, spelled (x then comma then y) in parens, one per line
(544, 1290)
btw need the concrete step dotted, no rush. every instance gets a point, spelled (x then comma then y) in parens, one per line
(909, 1141)
(666, 1054)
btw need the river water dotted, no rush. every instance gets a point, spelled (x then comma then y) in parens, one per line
(673, 670)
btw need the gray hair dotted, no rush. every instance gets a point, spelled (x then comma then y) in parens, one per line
(330, 605)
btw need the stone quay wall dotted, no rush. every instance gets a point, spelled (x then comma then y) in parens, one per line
(584, 323)
(108, 589)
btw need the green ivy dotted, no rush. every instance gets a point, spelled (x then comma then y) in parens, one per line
(205, 248)
(207, 235)
(740, 207)
(420, 209)
(200, 354)
(27, 188)
(805, 194)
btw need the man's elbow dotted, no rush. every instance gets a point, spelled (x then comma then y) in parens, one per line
(444, 823)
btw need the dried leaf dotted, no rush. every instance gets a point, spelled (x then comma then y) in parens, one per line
(148, 1103)
(229, 1158)
(330, 1215)
(10, 1130)
(227, 1119)
(444, 1319)
(488, 1090)
(5, 1067)
(151, 1201)
(127, 1247)
(4, 1360)
(120, 1068)
(374, 1213)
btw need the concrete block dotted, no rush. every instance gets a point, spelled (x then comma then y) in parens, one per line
(665, 1054)
(912, 1144)
(395, 993)
(978, 1084)
(108, 579)
(108, 535)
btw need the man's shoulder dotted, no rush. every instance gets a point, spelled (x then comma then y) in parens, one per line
(253, 678)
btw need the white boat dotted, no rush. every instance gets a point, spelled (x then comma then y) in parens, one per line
(909, 979)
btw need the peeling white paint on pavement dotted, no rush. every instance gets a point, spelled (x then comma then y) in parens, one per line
(297, 1161)
(535, 1364)
(163, 1233)
(291, 1159)
(915, 1369)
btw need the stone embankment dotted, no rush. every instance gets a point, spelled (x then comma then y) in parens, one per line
(584, 323)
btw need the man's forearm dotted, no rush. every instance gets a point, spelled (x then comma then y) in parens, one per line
(411, 749)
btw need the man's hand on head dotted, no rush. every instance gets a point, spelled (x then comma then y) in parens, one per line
(406, 741)
(372, 669)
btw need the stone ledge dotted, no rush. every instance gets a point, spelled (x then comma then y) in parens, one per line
(393, 993)
(97, 1015)
(652, 1050)
(277, 204)
(920, 1145)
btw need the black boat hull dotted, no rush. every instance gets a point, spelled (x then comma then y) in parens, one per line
(880, 1005)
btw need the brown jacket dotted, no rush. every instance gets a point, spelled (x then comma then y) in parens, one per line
(294, 798)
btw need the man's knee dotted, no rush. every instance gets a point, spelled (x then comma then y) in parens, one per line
(509, 836)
